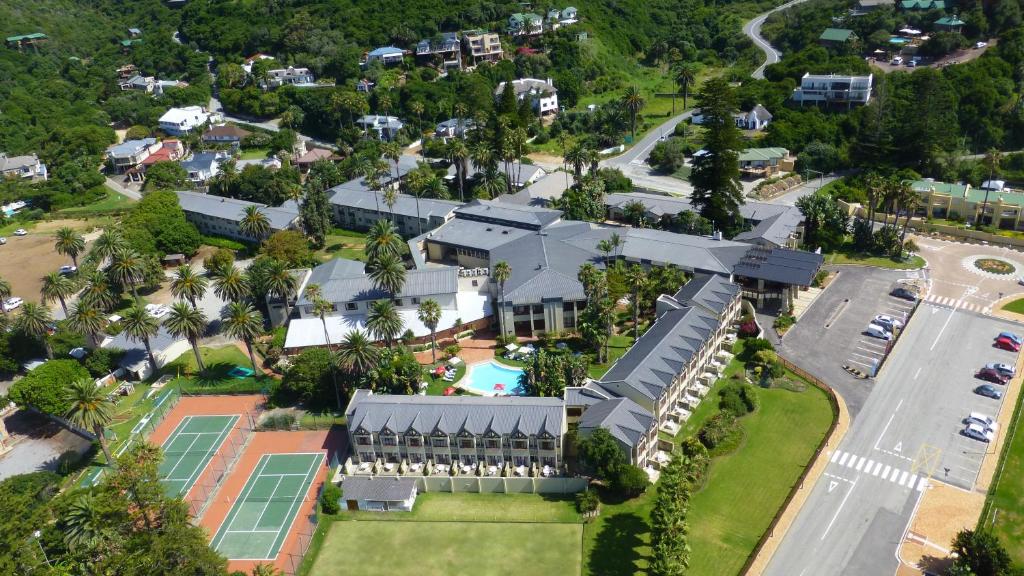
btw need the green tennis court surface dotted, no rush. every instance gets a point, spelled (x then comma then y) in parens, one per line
(190, 448)
(259, 521)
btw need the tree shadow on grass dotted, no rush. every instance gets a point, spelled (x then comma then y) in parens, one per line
(615, 550)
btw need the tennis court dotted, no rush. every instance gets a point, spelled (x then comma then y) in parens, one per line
(259, 521)
(190, 448)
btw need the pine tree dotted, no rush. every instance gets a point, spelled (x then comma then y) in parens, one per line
(316, 215)
(717, 193)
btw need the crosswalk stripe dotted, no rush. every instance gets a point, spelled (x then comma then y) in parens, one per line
(835, 456)
(912, 481)
(885, 473)
(842, 461)
(878, 466)
(903, 478)
(869, 463)
(922, 484)
(853, 462)
(895, 473)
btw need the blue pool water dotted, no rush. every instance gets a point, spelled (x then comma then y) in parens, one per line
(482, 379)
(898, 40)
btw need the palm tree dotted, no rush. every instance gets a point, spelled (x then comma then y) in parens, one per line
(909, 200)
(384, 322)
(492, 183)
(633, 102)
(107, 245)
(357, 354)
(84, 523)
(91, 410)
(254, 223)
(57, 287)
(483, 157)
(126, 267)
(390, 194)
(243, 322)
(231, 285)
(140, 326)
(382, 240)
(87, 320)
(183, 321)
(416, 107)
(321, 308)
(97, 290)
(388, 274)
(636, 278)
(392, 151)
(577, 156)
(429, 313)
(684, 74)
(188, 284)
(5, 293)
(281, 283)
(502, 272)
(993, 158)
(69, 243)
(457, 153)
(266, 570)
(35, 321)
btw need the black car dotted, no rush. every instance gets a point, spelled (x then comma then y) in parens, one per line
(988, 390)
(904, 293)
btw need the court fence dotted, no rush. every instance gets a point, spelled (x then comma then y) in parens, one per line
(305, 528)
(220, 465)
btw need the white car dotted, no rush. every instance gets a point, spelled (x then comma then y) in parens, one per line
(3, 240)
(20, 232)
(157, 310)
(981, 45)
(12, 303)
(983, 420)
(979, 432)
(876, 331)
(1005, 369)
(68, 269)
(887, 322)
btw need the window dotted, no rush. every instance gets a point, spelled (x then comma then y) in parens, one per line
(466, 443)
(547, 444)
(520, 445)
(415, 301)
(439, 442)
(538, 308)
(366, 457)
(414, 441)
(493, 443)
(363, 440)
(351, 306)
(398, 302)
(389, 440)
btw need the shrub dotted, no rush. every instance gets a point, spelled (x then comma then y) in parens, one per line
(44, 388)
(278, 422)
(784, 321)
(754, 345)
(227, 243)
(738, 398)
(330, 498)
(452, 350)
(716, 429)
(68, 462)
(697, 468)
(505, 340)
(748, 329)
(819, 278)
(102, 361)
(220, 259)
(629, 481)
(408, 336)
(587, 502)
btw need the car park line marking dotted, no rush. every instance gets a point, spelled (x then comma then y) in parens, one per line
(838, 510)
(863, 356)
(918, 373)
(861, 363)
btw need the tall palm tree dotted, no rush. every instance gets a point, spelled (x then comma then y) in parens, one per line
(69, 243)
(388, 274)
(502, 272)
(243, 322)
(126, 267)
(357, 354)
(909, 200)
(577, 156)
(56, 287)
(429, 313)
(416, 107)
(993, 158)
(492, 183)
(183, 321)
(382, 240)
(384, 322)
(390, 194)
(84, 523)
(188, 284)
(281, 283)
(140, 326)
(90, 409)
(97, 290)
(87, 320)
(254, 223)
(483, 156)
(35, 321)
(457, 153)
(106, 245)
(5, 293)
(636, 278)
(684, 74)
(634, 102)
(392, 151)
(231, 285)
(322, 308)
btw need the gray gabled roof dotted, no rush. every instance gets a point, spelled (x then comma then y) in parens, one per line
(586, 395)
(478, 235)
(650, 365)
(233, 209)
(341, 282)
(510, 214)
(777, 229)
(543, 191)
(378, 489)
(662, 205)
(794, 267)
(710, 291)
(201, 161)
(453, 414)
(130, 147)
(405, 205)
(626, 420)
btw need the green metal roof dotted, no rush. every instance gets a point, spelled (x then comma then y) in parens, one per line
(923, 4)
(954, 190)
(127, 43)
(753, 154)
(977, 195)
(32, 36)
(837, 35)
(949, 21)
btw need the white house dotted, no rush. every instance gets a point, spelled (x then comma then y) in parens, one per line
(180, 121)
(542, 94)
(290, 75)
(386, 55)
(27, 167)
(757, 119)
(379, 493)
(386, 127)
(130, 153)
(833, 88)
(202, 166)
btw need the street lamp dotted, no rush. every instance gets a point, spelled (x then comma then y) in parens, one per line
(36, 535)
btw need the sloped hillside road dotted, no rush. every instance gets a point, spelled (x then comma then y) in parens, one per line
(752, 30)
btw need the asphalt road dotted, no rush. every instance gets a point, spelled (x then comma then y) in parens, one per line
(753, 31)
(907, 430)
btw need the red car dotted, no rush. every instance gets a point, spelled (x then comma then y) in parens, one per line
(992, 375)
(1007, 344)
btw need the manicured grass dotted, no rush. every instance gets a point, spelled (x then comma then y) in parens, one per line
(340, 243)
(215, 380)
(444, 548)
(254, 154)
(1017, 306)
(617, 346)
(112, 202)
(436, 385)
(472, 507)
(1004, 508)
(683, 173)
(850, 257)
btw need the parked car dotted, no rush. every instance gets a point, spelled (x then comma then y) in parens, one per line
(911, 63)
(12, 303)
(983, 420)
(1011, 336)
(992, 375)
(3, 240)
(876, 331)
(904, 292)
(979, 432)
(1004, 369)
(888, 322)
(1007, 344)
(897, 61)
(157, 310)
(68, 269)
(980, 45)
(989, 391)
(20, 232)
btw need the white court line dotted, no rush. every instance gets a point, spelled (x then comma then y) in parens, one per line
(253, 531)
(266, 505)
(842, 461)
(840, 509)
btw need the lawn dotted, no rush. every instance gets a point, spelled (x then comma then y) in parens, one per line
(1017, 306)
(860, 259)
(436, 386)
(340, 243)
(1004, 508)
(254, 153)
(112, 202)
(215, 380)
(617, 346)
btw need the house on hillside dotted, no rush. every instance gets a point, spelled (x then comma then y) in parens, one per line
(482, 46)
(525, 24)
(764, 162)
(443, 51)
(386, 55)
(22, 40)
(170, 150)
(756, 119)
(202, 166)
(542, 94)
(130, 153)
(181, 121)
(949, 24)
(290, 76)
(834, 37)
(454, 128)
(26, 167)
(304, 159)
(225, 134)
(833, 89)
(383, 127)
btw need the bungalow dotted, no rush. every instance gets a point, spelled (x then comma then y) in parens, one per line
(454, 128)
(365, 86)
(756, 119)
(202, 166)
(385, 127)
(225, 134)
(27, 167)
(378, 493)
(219, 216)
(304, 159)
(764, 162)
(289, 76)
(22, 40)
(482, 46)
(540, 189)
(834, 88)
(569, 15)
(181, 121)
(170, 150)
(166, 348)
(525, 24)
(386, 55)
(130, 153)
(837, 37)
(542, 94)
(949, 24)
(444, 51)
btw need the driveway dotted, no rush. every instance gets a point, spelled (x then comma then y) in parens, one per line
(38, 442)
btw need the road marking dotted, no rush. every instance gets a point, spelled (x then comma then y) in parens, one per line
(918, 373)
(886, 472)
(838, 510)
(842, 461)
(835, 456)
(903, 478)
(922, 484)
(887, 424)
(943, 329)
(912, 481)
(832, 485)
(878, 466)
(898, 447)
(860, 464)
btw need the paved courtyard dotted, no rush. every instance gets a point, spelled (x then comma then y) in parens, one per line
(957, 283)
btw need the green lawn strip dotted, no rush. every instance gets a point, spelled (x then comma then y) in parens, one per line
(474, 507)
(215, 380)
(112, 202)
(436, 384)
(341, 243)
(851, 257)
(254, 154)
(617, 346)
(1016, 306)
(1004, 507)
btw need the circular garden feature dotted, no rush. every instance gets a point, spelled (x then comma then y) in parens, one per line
(994, 266)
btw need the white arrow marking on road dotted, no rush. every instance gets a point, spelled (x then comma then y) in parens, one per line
(899, 447)
(832, 485)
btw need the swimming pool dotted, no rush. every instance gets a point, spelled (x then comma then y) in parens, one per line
(493, 379)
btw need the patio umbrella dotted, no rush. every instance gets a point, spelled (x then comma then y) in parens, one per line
(439, 371)
(449, 391)
(512, 347)
(499, 386)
